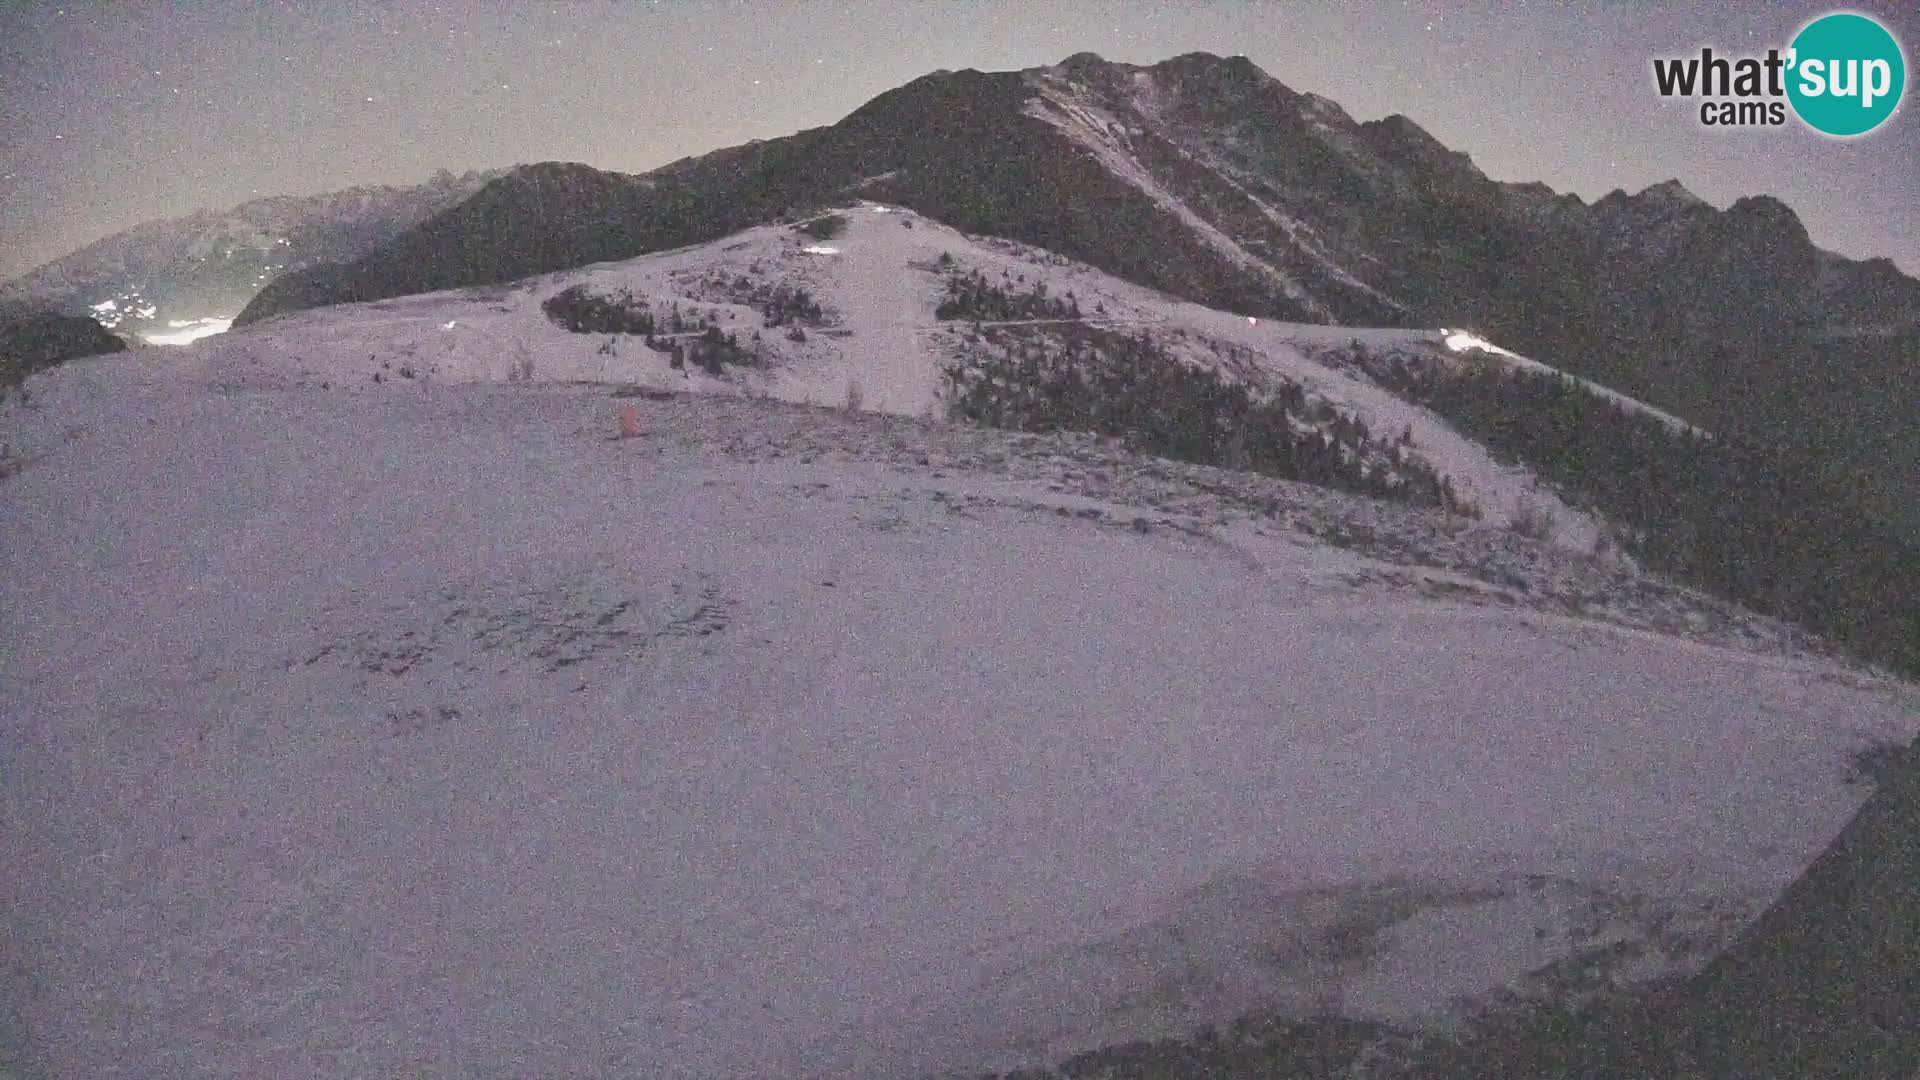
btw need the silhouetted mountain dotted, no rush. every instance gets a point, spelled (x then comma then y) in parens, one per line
(1200, 175)
(31, 341)
(1209, 179)
(957, 147)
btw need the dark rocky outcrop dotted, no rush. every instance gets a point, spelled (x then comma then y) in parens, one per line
(34, 341)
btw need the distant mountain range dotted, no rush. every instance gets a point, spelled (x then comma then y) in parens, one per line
(209, 265)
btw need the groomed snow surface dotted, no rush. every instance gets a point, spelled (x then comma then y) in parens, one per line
(399, 729)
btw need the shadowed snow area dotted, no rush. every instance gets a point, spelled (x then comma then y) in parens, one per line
(385, 730)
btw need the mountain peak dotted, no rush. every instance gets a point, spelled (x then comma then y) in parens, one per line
(1085, 67)
(557, 178)
(1762, 206)
(1401, 138)
(1084, 60)
(1669, 197)
(1770, 215)
(1402, 128)
(1238, 67)
(1190, 59)
(1671, 191)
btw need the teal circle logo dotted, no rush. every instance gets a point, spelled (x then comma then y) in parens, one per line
(1846, 74)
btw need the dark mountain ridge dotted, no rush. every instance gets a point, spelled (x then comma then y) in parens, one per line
(1209, 179)
(1200, 175)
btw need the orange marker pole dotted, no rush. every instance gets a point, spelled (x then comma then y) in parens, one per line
(630, 423)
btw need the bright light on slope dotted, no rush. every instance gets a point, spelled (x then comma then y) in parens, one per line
(1461, 341)
(195, 330)
(819, 249)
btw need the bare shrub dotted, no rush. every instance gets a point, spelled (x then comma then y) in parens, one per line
(825, 227)
(1606, 542)
(520, 368)
(1534, 520)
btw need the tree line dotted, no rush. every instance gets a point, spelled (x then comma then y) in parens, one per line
(1102, 381)
(1728, 514)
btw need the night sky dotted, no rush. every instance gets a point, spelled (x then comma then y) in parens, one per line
(114, 114)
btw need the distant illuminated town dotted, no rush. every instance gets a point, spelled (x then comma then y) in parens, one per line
(185, 330)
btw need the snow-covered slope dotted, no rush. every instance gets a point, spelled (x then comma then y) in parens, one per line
(426, 728)
(879, 282)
